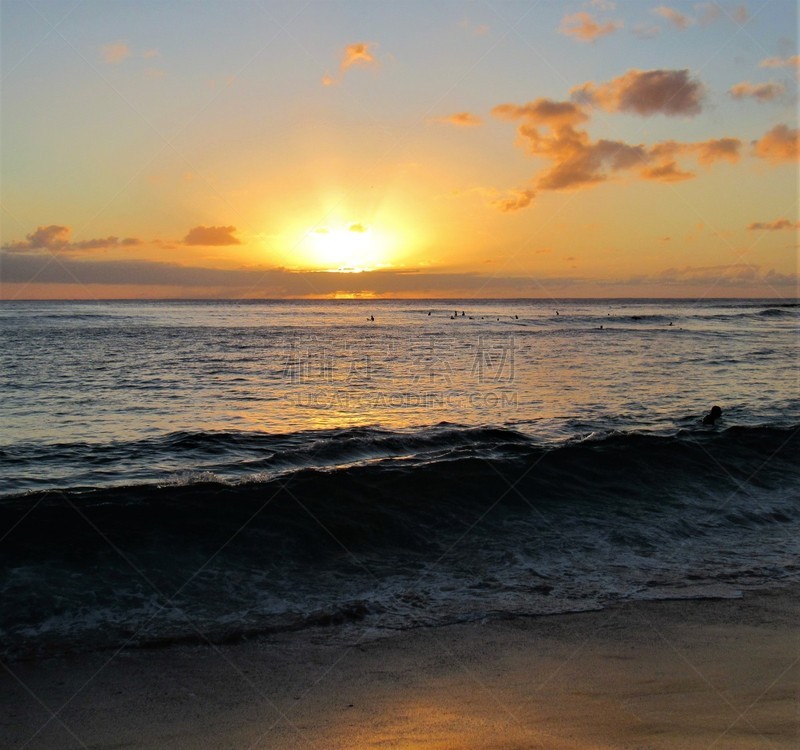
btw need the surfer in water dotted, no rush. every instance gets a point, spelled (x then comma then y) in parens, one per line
(713, 415)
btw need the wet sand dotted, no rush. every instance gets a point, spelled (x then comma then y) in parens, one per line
(676, 674)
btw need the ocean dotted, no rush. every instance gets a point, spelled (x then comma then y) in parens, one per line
(209, 471)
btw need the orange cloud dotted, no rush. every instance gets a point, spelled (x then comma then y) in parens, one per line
(358, 53)
(773, 226)
(209, 236)
(762, 92)
(711, 151)
(459, 119)
(517, 200)
(645, 93)
(666, 172)
(542, 112)
(584, 28)
(707, 152)
(676, 18)
(778, 144)
(549, 130)
(115, 52)
(781, 62)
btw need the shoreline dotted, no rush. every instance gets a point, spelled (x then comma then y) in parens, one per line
(673, 673)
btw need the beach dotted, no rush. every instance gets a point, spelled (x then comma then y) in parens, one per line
(669, 674)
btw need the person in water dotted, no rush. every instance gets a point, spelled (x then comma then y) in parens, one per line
(713, 415)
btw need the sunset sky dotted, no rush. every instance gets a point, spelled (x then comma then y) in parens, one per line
(407, 149)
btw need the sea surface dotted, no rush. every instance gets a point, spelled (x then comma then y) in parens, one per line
(181, 471)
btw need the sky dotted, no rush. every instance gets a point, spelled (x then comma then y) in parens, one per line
(261, 149)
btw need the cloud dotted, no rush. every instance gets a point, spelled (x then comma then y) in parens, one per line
(150, 54)
(713, 150)
(710, 12)
(707, 152)
(781, 62)
(216, 236)
(45, 237)
(646, 31)
(460, 119)
(666, 172)
(584, 28)
(56, 238)
(740, 14)
(515, 201)
(774, 226)
(115, 52)
(542, 112)
(746, 274)
(279, 282)
(474, 29)
(675, 17)
(357, 54)
(551, 130)
(761, 92)
(645, 92)
(778, 144)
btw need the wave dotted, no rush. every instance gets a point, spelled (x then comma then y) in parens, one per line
(456, 523)
(394, 484)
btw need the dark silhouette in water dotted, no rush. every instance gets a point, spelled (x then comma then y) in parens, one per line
(713, 415)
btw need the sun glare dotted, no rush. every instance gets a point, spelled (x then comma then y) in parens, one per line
(353, 248)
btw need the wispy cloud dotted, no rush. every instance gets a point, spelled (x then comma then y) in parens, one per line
(774, 226)
(359, 54)
(474, 29)
(115, 52)
(675, 17)
(459, 119)
(761, 92)
(781, 62)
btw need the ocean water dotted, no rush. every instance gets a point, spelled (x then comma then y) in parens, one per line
(195, 471)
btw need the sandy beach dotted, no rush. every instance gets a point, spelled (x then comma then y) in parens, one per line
(672, 674)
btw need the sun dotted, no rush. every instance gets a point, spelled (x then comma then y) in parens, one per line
(352, 248)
